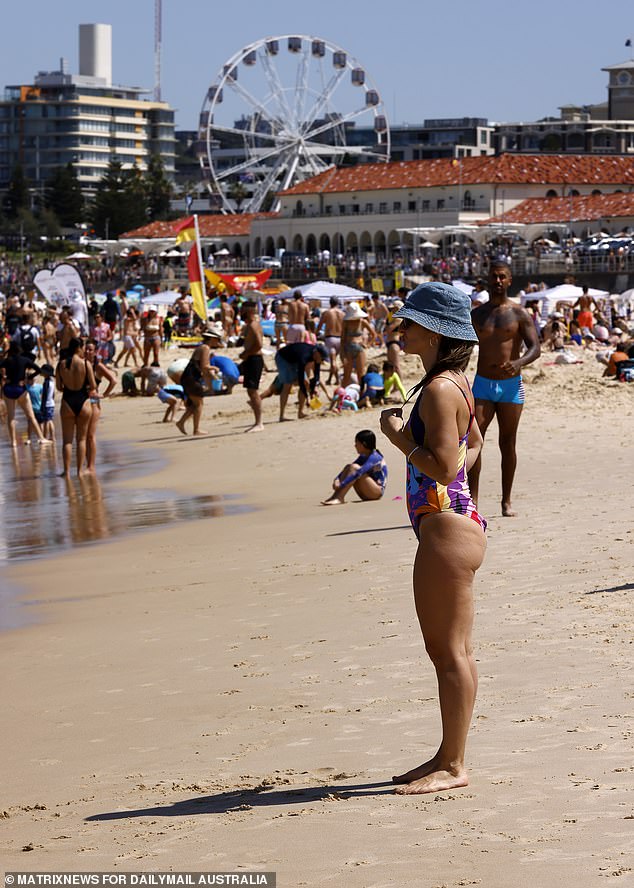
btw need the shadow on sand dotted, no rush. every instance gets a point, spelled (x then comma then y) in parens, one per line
(261, 797)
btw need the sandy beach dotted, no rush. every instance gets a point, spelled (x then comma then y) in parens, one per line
(234, 693)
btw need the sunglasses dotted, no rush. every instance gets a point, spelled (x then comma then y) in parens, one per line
(406, 323)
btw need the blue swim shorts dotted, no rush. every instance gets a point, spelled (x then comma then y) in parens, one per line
(500, 391)
(45, 414)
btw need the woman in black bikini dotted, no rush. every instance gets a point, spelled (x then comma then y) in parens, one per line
(75, 379)
(14, 369)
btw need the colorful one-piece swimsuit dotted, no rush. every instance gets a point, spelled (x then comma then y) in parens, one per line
(425, 496)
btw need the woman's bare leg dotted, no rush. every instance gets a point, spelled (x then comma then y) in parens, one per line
(198, 412)
(68, 433)
(83, 422)
(346, 363)
(10, 405)
(27, 408)
(91, 439)
(450, 551)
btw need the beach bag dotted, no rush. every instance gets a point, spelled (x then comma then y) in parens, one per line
(625, 370)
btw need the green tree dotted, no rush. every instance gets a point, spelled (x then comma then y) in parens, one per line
(158, 189)
(18, 195)
(238, 194)
(49, 223)
(64, 195)
(120, 203)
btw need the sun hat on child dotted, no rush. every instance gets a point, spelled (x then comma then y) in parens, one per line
(440, 308)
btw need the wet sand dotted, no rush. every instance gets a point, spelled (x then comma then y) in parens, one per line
(236, 692)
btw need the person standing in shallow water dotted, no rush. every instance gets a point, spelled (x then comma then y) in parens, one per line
(503, 327)
(441, 441)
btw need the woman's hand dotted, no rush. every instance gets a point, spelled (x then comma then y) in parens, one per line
(392, 421)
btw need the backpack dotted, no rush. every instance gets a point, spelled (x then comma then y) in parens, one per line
(28, 342)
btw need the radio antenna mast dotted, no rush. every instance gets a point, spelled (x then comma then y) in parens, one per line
(157, 50)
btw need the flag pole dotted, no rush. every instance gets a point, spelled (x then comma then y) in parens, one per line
(200, 265)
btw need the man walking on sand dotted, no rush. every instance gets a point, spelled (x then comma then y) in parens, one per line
(502, 327)
(298, 314)
(331, 322)
(252, 362)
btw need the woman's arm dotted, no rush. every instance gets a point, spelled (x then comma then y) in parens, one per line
(104, 373)
(90, 379)
(474, 444)
(438, 409)
(203, 363)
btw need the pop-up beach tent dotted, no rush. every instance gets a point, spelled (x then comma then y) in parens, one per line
(563, 293)
(324, 290)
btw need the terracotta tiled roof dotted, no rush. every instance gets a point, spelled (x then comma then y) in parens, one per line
(565, 209)
(219, 225)
(508, 169)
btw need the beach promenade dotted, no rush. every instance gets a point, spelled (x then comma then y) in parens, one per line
(236, 692)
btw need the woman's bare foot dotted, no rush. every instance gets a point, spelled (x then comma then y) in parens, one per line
(333, 501)
(257, 427)
(437, 781)
(181, 427)
(201, 433)
(416, 773)
(507, 511)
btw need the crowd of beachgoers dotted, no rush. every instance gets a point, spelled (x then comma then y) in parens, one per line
(113, 347)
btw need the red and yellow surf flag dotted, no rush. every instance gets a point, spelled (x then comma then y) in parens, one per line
(186, 231)
(196, 284)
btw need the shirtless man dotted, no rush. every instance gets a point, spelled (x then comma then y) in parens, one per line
(252, 362)
(332, 323)
(227, 316)
(298, 314)
(380, 314)
(502, 328)
(586, 306)
(281, 322)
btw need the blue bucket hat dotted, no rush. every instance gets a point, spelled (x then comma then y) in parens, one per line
(440, 308)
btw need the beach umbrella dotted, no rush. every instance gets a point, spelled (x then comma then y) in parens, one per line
(79, 256)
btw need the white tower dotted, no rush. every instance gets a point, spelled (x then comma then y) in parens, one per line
(95, 52)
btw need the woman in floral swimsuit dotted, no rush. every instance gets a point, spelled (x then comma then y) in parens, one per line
(441, 441)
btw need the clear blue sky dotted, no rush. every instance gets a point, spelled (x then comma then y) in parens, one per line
(499, 59)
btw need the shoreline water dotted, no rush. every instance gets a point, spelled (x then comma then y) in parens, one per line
(45, 516)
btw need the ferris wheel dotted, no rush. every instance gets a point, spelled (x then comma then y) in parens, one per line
(283, 109)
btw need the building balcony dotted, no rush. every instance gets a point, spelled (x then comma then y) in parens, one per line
(353, 211)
